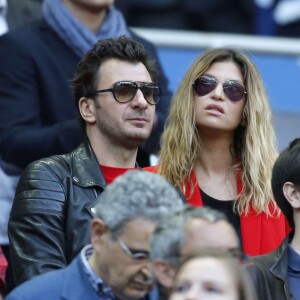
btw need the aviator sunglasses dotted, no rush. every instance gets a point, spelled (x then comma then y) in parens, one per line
(205, 84)
(124, 91)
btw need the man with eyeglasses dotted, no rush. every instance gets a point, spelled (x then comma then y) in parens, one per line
(116, 93)
(116, 265)
(183, 234)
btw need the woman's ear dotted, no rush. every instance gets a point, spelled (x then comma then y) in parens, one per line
(292, 194)
(87, 109)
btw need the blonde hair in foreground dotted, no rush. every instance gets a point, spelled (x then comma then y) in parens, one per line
(254, 146)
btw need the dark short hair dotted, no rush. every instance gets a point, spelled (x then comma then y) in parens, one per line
(286, 169)
(87, 73)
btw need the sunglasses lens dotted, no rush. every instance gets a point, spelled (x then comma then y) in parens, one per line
(204, 85)
(151, 93)
(234, 90)
(125, 91)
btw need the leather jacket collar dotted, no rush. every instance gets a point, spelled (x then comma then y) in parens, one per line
(86, 174)
(279, 268)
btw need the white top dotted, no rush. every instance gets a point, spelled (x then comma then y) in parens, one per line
(3, 11)
(7, 187)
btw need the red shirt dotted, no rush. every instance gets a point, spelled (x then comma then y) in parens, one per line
(111, 173)
(3, 266)
(260, 233)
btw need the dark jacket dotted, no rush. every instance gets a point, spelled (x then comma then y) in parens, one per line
(70, 283)
(21, 12)
(269, 274)
(52, 211)
(38, 117)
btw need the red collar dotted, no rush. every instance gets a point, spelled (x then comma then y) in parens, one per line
(260, 233)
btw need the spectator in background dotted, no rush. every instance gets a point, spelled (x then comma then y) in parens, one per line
(219, 147)
(3, 266)
(13, 13)
(287, 18)
(21, 12)
(185, 233)
(116, 265)
(228, 16)
(3, 22)
(211, 274)
(149, 13)
(277, 274)
(115, 92)
(277, 18)
(264, 22)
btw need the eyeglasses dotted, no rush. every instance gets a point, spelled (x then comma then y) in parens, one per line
(138, 255)
(124, 91)
(205, 84)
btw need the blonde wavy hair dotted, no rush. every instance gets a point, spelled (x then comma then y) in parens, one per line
(254, 146)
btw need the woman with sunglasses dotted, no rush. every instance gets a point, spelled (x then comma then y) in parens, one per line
(218, 146)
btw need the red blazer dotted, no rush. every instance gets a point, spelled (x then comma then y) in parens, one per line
(260, 233)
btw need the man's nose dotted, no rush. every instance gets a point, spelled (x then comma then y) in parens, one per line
(139, 100)
(146, 272)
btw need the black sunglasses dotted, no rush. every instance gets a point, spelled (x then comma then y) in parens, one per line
(205, 84)
(124, 91)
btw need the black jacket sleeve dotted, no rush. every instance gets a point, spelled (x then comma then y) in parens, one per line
(37, 223)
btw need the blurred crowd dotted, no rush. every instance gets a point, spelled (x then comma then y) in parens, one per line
(262, 17)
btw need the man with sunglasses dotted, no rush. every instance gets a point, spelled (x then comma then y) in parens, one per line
(116, 265)
(184, 233)
(116, 95)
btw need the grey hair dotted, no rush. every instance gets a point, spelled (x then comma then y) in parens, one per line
(169, 235)
(137, 194)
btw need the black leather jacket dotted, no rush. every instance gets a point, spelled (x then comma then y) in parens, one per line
(269, 273)
(52, 211)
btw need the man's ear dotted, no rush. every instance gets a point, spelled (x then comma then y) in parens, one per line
(164, 273)
(292, 194)
(87, 109)
(98, 230)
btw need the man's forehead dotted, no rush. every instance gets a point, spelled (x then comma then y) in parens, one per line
(137, 233)
(201, 233)
(113, 70)
(138, 227)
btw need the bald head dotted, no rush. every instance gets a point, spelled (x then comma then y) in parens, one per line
(200, 233)
(185, 233)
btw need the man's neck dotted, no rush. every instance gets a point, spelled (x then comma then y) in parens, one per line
(114, 155)
(90, 16)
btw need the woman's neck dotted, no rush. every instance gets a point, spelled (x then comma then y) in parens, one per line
(214, 169)
(215, 155)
